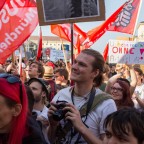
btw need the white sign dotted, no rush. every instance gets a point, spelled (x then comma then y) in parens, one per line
(55, 55)
(129, 52)
(17, 52)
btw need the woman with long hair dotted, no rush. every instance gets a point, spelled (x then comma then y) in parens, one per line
(14, 118)
(120, 92)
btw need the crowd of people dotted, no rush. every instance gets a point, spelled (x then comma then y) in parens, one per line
(89, 101)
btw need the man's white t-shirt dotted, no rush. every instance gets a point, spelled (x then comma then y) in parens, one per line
(95, 119)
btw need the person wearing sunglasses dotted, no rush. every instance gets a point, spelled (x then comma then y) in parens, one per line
(14, 119)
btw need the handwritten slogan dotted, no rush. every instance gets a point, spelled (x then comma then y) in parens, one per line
(126, 52)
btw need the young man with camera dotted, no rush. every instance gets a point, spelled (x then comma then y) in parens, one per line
(86, 127)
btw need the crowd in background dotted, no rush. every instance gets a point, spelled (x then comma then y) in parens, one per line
(42, 82)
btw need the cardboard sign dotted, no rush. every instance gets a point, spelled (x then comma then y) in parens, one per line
(129, 52)
(55, 55)
(70, 11)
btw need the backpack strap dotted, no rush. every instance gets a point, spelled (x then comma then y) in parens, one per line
(98, 99)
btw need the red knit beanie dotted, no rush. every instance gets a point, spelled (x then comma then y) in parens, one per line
(12, 91)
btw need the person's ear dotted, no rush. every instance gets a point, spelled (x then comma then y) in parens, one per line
(43, 93)
(96, 73)
(16, 110)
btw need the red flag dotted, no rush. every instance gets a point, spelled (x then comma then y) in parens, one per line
(105, 53)
(2, 2)
(18, 21)
(39, 50)
(77, 47)
(64, 31)
(126, 20)
(59, 31)
(122, 20)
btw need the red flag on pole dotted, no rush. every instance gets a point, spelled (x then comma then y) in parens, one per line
(122, 20)
(59, 31)
(2, 2)
(105, 53)
(21, 20)
(39, 50)
(126, 20)
(64, 31)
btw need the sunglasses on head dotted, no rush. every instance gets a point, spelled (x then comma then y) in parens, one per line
(12, 79)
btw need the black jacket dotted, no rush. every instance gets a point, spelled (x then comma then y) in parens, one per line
(35, 136)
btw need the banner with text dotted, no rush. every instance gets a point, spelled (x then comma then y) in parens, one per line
(129, 52)
(18, 19)
(55, 55)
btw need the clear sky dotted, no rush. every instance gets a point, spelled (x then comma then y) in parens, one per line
(111, 6)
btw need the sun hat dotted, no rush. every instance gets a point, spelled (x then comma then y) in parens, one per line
(49, 72)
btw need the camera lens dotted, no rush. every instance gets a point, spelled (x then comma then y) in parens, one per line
(60, 113)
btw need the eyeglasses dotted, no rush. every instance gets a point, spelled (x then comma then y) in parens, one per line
(116, 89)
(12, 79)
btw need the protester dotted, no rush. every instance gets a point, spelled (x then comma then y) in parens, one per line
(61, 78)
(138, 96)
(122, 71)
(40, 92)
(112, 70)
(86, 70)
(125, 126)
(33, 122)
(36, 70)
(105, 77)
(48, 77)
(15, 127)
(120, 92)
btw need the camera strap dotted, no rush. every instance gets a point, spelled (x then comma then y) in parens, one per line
(90, 101)
(95, 101)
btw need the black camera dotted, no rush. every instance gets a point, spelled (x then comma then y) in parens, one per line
(60, 113)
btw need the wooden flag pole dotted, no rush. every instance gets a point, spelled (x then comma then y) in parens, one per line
(65, 58)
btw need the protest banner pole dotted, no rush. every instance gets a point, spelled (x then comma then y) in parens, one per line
(71, 43)
(137, 19)
(65, 58)
(13, 57)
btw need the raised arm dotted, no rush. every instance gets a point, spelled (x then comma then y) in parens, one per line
(111, 81)
(133, 82)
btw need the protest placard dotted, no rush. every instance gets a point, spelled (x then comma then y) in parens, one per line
(130, 52)
(58, 54)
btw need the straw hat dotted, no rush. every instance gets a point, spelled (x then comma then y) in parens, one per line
(48, 71)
